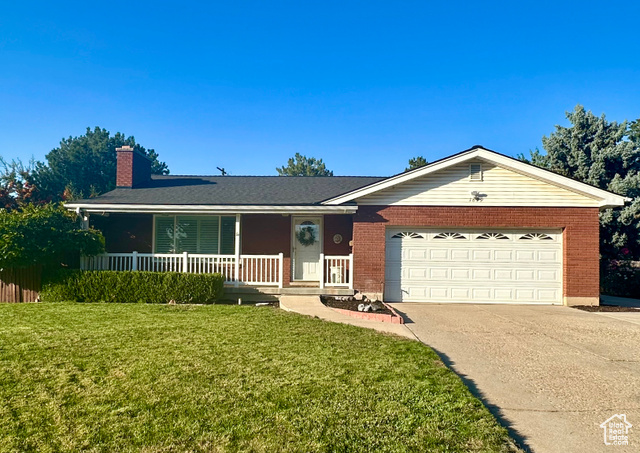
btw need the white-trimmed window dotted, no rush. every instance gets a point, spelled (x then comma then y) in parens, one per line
(194, 234)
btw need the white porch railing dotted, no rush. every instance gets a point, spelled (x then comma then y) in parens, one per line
(258, 269)
(336, 270)
(265, 270)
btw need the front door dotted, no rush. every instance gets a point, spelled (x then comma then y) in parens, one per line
(307, 243)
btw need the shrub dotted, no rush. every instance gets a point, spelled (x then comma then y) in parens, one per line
(41, 234)
(131, 286)
(620, 278)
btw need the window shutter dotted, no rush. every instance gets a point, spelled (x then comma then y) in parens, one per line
(164, 235)
(228, 236)
(209, 227)
(186, 234)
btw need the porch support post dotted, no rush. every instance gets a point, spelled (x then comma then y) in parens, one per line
(237, 252)
(85, 226)
(134, 261)
(85, 220)
(280, 270)
(322, 271)
(350, 270)
(185, 262)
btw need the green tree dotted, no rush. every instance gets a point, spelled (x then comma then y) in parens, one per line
(416, 162)
(300, 165)
(15, 189)
(634, 132)
(85, 165)
(43, 235)
(596, 151)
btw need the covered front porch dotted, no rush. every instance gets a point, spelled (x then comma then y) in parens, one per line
(281, 252)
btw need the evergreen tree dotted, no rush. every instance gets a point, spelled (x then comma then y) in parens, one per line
(85, 165)
(596, 151)
(300, 165)
(416, 162)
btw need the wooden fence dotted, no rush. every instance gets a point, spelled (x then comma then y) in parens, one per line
(20, 285)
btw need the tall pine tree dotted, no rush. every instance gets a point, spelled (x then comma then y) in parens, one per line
(85, 165)
(606, 155)
(300, 165)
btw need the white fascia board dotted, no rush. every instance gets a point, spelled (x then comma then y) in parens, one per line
(207, 209)
(606, 199)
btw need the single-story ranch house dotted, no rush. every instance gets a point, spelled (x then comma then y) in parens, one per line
(477, 226)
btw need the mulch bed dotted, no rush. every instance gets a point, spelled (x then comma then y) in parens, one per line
(350, 305)
(607, 308)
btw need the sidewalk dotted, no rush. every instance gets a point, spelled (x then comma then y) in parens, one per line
(312, 306)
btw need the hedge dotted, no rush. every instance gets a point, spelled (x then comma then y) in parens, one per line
(620, 278)
(131, 286)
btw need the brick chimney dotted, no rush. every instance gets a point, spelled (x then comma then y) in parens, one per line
(134, 168)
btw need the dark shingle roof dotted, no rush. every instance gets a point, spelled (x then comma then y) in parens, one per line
(235, 190)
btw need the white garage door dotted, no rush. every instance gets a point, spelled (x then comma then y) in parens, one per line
(491, 266)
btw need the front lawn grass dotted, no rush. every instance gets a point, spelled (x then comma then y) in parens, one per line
(134, 377)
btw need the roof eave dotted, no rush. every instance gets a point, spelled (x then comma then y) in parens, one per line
(614, 202)
(209, 209)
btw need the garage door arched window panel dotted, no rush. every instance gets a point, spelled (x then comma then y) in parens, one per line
(492, 236)
(450, 235)
(535, 237)
(407, 235)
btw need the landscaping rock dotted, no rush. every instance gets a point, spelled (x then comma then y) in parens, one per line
(350, 303)
(376, 305)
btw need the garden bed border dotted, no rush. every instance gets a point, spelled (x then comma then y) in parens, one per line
(394, 318)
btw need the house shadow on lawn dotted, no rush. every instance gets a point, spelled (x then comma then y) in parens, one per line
(519, 439)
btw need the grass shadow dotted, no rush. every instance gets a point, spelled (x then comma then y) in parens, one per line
(519, 438)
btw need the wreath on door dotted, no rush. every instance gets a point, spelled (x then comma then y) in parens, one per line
(306, 235)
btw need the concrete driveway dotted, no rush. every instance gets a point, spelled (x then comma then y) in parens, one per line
(551, 374)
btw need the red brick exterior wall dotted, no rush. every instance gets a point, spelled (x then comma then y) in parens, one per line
(133, 168)
(337, 224)
(267, 234)
(581, 252)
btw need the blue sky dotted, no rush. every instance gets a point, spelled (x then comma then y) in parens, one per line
(362, 85)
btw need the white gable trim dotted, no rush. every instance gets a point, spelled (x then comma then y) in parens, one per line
(605, 198)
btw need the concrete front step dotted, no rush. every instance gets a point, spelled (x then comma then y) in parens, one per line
(270, 293)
